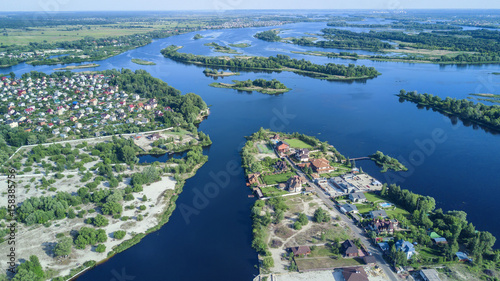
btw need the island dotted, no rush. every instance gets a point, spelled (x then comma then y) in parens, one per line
(272, 87)
(451, 45)
(216, 73)
(89, 187)
(487, 116)
(71, 67)
(387, 162)
(240, 45)
(312, 201)
(279, 63)
(143, 62)
(197, 36)
(221, 49)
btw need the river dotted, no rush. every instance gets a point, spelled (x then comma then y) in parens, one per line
(459, 169)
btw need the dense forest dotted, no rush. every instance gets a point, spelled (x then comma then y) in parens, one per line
(452, 225)
(269, 35)
(272, 84)
(278, 63)
(399, 25)
(486, 115)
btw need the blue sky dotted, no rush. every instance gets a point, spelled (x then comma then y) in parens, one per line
(119, 5)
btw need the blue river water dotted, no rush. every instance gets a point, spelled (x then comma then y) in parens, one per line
(209, 238)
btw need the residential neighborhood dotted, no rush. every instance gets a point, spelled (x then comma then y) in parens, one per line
(82, 105)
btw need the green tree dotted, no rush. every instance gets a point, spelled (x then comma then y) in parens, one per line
(268, 262)
(63, 247)
(101, 248)
(321, 216)
(100, 220)
(303, 219)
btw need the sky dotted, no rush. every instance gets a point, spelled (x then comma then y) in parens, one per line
(166, 5)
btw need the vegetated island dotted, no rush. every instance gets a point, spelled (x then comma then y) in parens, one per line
(272, 87)
(71, 67)
(493, 98)
(443, 47)
(240, 45)
(487, 116)
(387, 162)
(86, 200)
(279, 63)
(143, 62)
(275, 164)
(216, 73)
(221, 49)
(197, 36)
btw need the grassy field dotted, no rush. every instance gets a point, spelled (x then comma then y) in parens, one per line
(143, 62)
(274, 179)
(272, 191)
(378, 199)
(240, 45)
(325, 262)
(296, 143)
(59, 33)
(264, 148)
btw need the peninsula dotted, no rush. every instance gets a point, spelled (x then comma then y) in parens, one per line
(87, 194)
(313, 203)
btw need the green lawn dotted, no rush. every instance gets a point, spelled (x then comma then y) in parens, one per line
(363, 208)
(374, 198)
(296, 143)
(272, 191)
(429, 253)
(264, 148)
(325, 262)
(321, 251)
(274, 179)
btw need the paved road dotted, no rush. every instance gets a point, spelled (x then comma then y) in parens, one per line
(358, 233)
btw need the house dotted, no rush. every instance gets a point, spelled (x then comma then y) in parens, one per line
(280, 166)
(253, 178)
(384, 246)
(302, 155)
(369, 260)
(321, 166)
(429, 274)
(12, 123)
(259, 192)
(154, 137)
(406, 247)
(383, 226)
(463, 256)
(357, 197)
(348, 208)
(300, 250)
(282, 147)
(350, 249)
(354, 274)
(378, 213)
(342, 184)
(295, 183)
(440, 240)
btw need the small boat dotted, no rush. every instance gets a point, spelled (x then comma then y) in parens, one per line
(251, 196)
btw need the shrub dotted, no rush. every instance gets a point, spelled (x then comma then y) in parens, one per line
(119, 234)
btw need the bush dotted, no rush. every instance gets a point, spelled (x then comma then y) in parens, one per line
(119, 234)
(101, 248)
(297, 225)
(142, 207)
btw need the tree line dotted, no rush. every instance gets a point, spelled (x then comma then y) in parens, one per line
(277, 63)
(486, 115)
